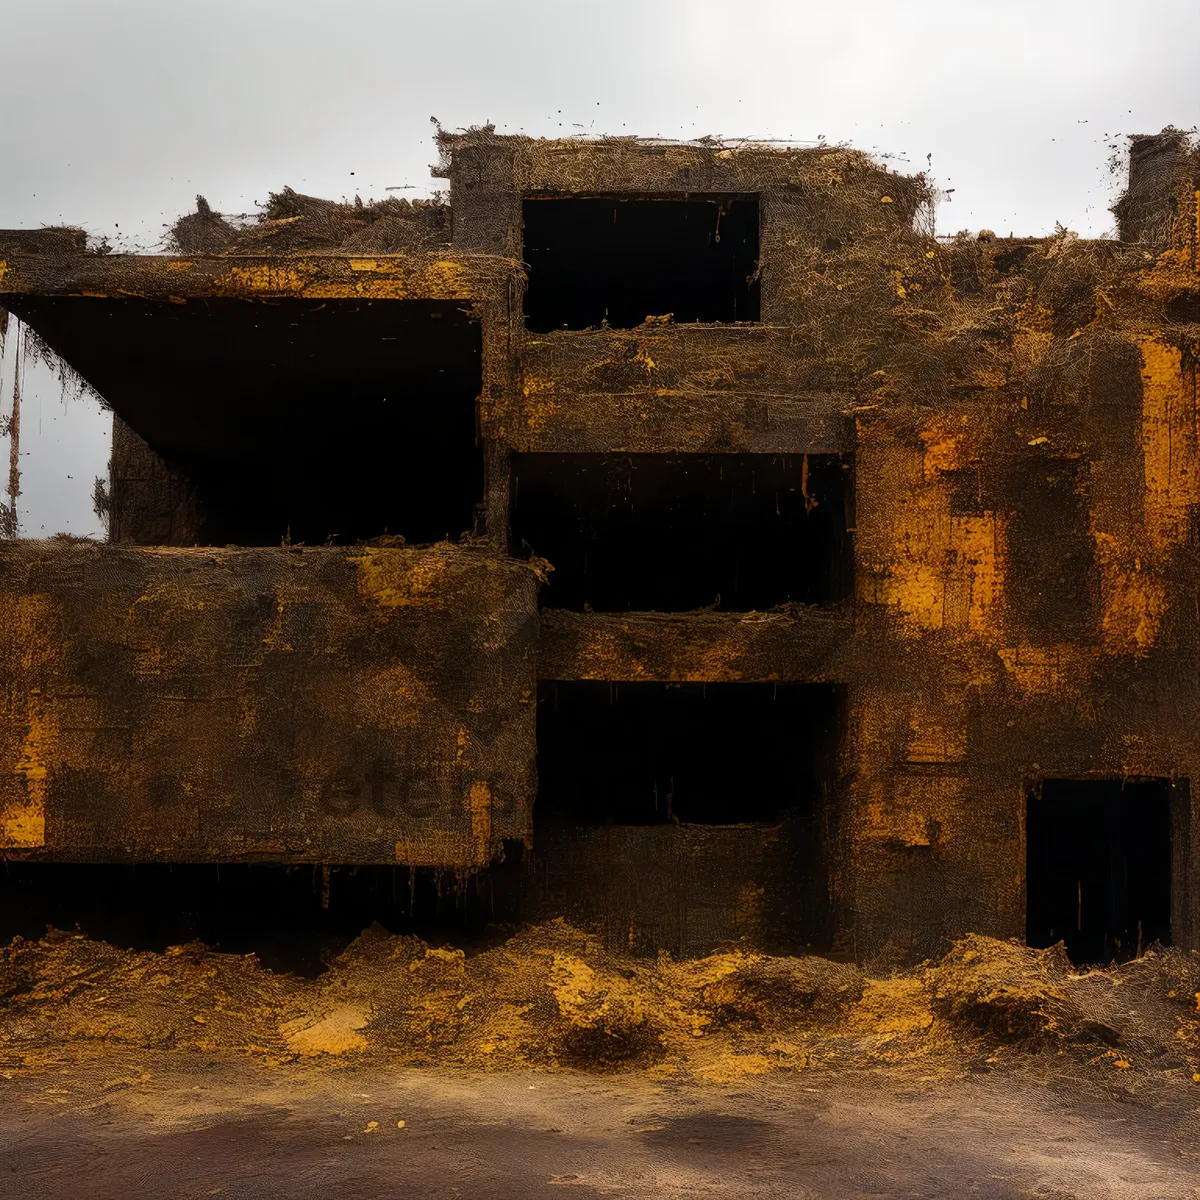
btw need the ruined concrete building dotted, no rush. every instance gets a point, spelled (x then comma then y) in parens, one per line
(684, 521)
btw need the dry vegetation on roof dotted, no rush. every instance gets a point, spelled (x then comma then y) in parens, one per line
(292, 222)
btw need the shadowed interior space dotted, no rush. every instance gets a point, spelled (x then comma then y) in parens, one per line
(294, 918)
(1099, 865)
(318, 421)
(669, 753)
(662, 807)
(675, 532)
(610, 260)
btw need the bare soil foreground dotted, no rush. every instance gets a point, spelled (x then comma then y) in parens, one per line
(548, 1064)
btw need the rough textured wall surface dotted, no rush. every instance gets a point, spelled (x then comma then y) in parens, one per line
(148, 504)
(1027, 588)
(1023, 416)
(326, 705)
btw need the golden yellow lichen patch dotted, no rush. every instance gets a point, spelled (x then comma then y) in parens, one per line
(938, 733)
(444, 280)
(170, 594)
(947, 571)
(393, 578)
(479, 800)
(1133, 605)
(27, 631)
(604, 657)
(451, 849)
(29, 733)
(1171, 457)
(946, 447)
(23, 818)
(890, 823)
(539, 406)
(979, 570)
(266, 278)
(1045, 670)
(914, 810)
(939, 569)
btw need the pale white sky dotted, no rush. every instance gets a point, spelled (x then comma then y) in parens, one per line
(117, 112)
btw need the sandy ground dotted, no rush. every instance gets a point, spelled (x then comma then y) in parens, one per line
(120, 1123)
(550, 1063)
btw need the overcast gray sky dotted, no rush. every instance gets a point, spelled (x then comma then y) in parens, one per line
(117, 112)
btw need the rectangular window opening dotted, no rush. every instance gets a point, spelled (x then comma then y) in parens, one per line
(676, 532)
(1099, 865)
(684, 753)
(322, 421)
(721, 791)
(618, 260)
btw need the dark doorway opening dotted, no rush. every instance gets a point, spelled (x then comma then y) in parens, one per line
(294, 918)
(596, 260)
(674, 532)
(678, 816)
(322, 421)
(1099, 865)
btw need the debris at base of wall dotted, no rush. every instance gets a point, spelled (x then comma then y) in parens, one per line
(552, 996)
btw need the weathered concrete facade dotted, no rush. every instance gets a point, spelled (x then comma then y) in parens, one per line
(1015, 422)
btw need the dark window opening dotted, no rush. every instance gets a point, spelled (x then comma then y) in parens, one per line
(683, 753)
(723, 791)
(322, 421)
(616, 261)
(1099, 866)
(655, 532)
(293, 918)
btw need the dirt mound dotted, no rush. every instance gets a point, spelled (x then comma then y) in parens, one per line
(1004, 989)
(552, 995)
(775, 993)
(1149, 1007)
(292, 222)
(67, 987)
(549, 995)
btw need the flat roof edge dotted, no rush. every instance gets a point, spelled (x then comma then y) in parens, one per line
(325, 275)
